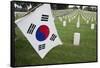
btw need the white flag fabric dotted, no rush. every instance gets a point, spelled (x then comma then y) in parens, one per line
(39, 29)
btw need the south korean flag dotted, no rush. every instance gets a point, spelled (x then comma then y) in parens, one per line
(39, 29)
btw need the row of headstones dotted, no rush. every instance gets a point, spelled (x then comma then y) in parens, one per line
(92, 18)
(78, 24)
(88, 16)
(88, 20)
(74, 15)
(70, 16)
(76, 40)
(85, 17)
(67, 17)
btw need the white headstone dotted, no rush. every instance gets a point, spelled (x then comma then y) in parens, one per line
(92, 20)
(87, 21)
(69, 19)
(74, 16)
(78, 23)
(60, 18)
(76, 39)
(64, 23)
(92, 26)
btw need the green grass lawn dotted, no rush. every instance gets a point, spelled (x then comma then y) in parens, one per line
(66, 53)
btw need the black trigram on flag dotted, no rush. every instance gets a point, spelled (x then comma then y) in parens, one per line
(53, 37)
(31, 28)
(44, 17)
(42, 46)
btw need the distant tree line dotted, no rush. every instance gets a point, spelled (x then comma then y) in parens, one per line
(24, 6)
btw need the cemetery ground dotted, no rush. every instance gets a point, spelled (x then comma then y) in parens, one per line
(66, 53)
